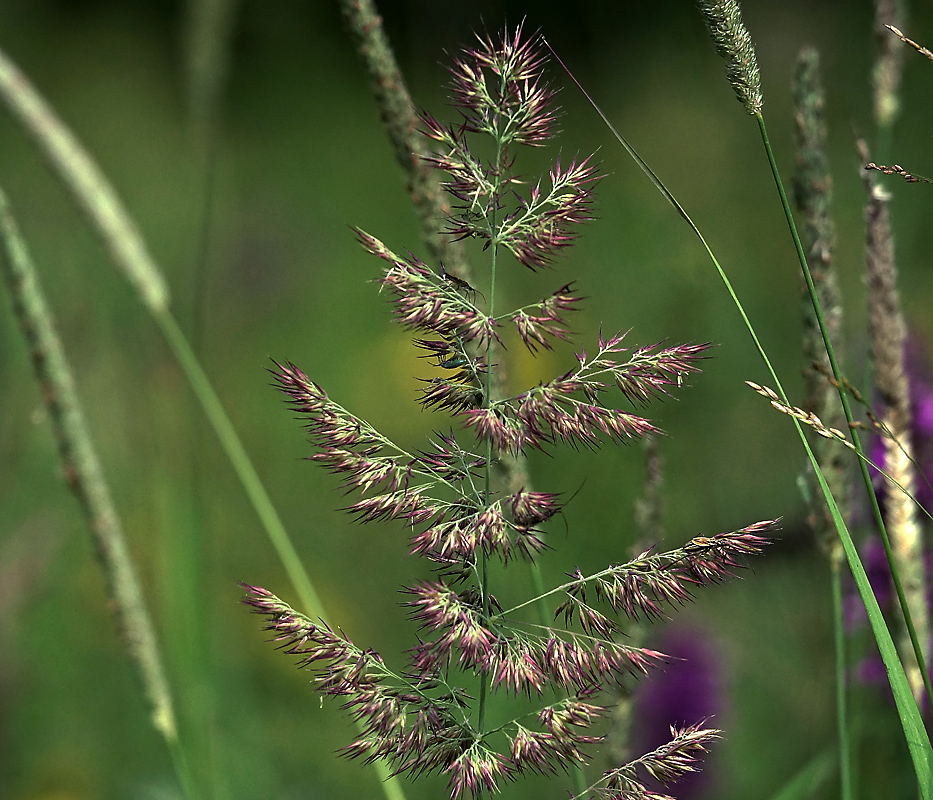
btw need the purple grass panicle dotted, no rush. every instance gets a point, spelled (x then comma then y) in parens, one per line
(554, 656)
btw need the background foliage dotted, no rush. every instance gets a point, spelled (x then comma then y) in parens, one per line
(254, 238)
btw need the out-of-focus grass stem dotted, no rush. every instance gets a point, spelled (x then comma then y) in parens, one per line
(208, 29)
(85, 477)
(917, 740)
(97, 199)
(402, 128)
(813, 196)
(888, 333)
(843, 396)
(649, 526)
(887, 72)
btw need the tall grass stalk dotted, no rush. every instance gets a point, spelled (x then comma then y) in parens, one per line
(813, 197)
(734, 43)
(435, 714)
(915, 734)
(96, 198)
(85, 476)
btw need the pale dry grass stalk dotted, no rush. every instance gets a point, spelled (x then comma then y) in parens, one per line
(90, 190)
(403, 128)
(801, 415)
(889, 63)
(888, 333)
(813, 197)
(919, 48)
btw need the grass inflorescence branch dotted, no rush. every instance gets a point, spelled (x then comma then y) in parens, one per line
(461, 516)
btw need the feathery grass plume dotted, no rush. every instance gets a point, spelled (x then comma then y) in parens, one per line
(690, 688)
(460, 513)
(888, 334)
(666, 764)
(409, 144)
(813, 197)
(734, 43)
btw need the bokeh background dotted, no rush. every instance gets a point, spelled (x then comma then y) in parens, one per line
(250, 223)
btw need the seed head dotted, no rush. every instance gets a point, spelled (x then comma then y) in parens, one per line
(734, 43)
(498, 88)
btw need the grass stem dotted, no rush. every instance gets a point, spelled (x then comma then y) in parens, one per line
(917, 739)
(847, 409)
(98, 200)
(85, 477)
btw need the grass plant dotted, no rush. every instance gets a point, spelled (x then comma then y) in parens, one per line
(432, 715)
(529, 656)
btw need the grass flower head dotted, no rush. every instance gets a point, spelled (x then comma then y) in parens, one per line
(431, 715)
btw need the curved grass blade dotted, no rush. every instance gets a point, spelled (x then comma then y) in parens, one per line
(915, 734)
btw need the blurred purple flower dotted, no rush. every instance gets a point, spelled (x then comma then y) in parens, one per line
(870, 669)
(879, 576)
(689, 690)
(920, 376)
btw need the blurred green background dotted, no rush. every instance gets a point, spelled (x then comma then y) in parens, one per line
(252, 232)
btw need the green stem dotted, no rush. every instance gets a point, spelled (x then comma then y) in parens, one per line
(842, 709)
(85, 476)
(97, 199)
(487, 486)
(918, 741)
(847, 409)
